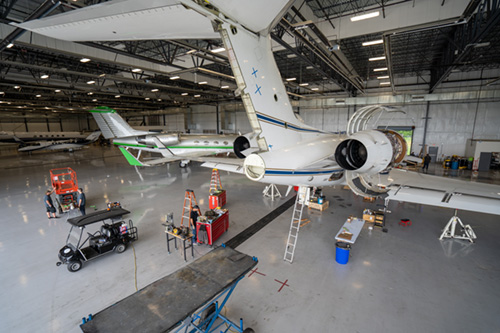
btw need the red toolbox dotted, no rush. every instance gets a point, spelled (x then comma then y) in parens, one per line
(217, 199)
(214, 229)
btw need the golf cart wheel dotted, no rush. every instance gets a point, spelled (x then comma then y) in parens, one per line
(120, 248)
(74, 266)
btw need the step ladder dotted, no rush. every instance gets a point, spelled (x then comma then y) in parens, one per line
(300, 201)
(215, 182)
(189, 202)
(449, 230)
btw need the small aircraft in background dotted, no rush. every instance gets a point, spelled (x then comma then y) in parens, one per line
(289, 151)
(24, 137)
(67, 144)
(171, 146)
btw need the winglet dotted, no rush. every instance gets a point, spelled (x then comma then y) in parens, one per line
(130, 158)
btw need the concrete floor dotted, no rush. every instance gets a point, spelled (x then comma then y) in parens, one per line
(405, 280)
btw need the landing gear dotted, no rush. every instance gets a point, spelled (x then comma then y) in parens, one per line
(184, 163)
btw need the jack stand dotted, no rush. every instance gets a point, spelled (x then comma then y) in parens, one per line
(271, 191)
(449, 230)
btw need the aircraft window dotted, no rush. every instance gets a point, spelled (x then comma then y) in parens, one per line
(216, 142)
(206, 142)
(226, 143)
(275, 97)
(57, 135)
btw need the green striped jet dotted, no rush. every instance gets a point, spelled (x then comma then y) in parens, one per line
(172, 147)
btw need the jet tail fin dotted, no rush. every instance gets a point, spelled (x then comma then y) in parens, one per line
(112, 124)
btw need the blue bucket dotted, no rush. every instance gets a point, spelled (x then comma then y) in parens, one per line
(342, 252)
(320, 200)
(454, 165)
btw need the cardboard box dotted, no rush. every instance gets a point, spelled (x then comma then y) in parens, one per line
(369, 218)
(322, 207)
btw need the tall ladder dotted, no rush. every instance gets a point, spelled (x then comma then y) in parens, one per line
(189, 202)
(215, 182)
(300, 200)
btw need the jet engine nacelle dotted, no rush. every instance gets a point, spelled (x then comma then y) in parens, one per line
(240, 145)
(371, 151)
(166, 139)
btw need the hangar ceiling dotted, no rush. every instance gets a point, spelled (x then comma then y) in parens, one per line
(317, 50)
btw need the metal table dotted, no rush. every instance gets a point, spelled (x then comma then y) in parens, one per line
(183, 240)
(354, 227)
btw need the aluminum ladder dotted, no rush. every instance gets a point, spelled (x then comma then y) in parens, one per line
(215, 182)
(189, 202)
(300, 200)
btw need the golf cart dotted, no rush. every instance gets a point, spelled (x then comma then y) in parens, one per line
(112, 237)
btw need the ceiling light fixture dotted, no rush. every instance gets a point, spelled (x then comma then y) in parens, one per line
(314, 89)
(10, 45)
(159, 99)
(17, 87)
(224, 87)
(57, 90)
(38, 96)
(304, 84)
(385, 83)
(44, 76)
(291, 79)
(117, 96)
(91, 82)
(84, 60)
(373, 42)
(101, 75)
(90, 93)
(147, 98)
(197, 96)
(376, 58)
(365, 16)
(382, 77)
(154, 90)
(380, 69)
(309, 67)
(175, 77)
(94, 100)
(184, 94)
(203, 82)
(291, 55)
(136, 70)
(218, 50)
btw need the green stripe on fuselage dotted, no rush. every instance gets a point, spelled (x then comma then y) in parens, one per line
(171, 147)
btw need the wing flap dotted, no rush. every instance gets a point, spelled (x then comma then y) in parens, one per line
(125, 20)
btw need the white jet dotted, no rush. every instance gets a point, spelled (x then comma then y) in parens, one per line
(172, 147)
(67, 144)
(290, 152)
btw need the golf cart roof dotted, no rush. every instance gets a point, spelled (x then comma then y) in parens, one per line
(97, 216)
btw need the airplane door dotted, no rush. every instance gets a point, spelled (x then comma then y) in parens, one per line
(433, 153)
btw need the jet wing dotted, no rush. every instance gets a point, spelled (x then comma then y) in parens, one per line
(443, 192)
(226, 164)
(126, 20)
(39, 146)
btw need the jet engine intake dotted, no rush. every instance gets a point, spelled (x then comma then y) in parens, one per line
(240, 145)
(371, 151)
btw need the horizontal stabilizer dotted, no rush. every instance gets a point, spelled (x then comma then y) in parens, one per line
(125, 20)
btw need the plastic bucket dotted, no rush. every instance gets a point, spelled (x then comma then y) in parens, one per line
(454, 165)
(342, 252)
(320, 200)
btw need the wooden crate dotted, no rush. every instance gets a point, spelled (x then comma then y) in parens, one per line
(321, 207)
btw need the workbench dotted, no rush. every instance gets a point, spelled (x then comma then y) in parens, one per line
(215, 228)
(183, 239)
(354, 227)
(165, 304)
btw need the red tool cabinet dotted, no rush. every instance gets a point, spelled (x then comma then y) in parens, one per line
(214, 229)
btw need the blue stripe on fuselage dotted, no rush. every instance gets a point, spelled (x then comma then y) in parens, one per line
(301, 173)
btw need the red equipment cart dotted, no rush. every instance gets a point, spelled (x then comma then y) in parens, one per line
(64, 182)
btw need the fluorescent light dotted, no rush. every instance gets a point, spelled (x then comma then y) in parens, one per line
(382, 77)
(304, 84)
(44, 76)
(136, 70)
(57, 90)
(314, 89)
(218, 50)
(373, 42)
(291, 79)
(10, 45)
(84, 60)
(380, 69)
(159, 99)
(291, 55)
(197, 95)
(175, 77)
(309, 67)
(38, 96)
(147, 98)
(17, 87)
(365, 16)
(154, 90)
(203, 82)
(224, 87)
(184, 94)
(117, 96)
(90, 93)
(102, 75)
(385, 83)
(91, 82)
(94, 100)
(376, 58)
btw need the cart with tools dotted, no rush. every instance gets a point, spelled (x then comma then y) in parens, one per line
(65, 185)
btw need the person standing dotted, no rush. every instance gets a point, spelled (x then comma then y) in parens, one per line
(195, 212)
(49, 205)
(427, 160)
(80, 200)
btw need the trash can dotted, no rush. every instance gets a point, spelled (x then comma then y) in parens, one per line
(342, 252)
